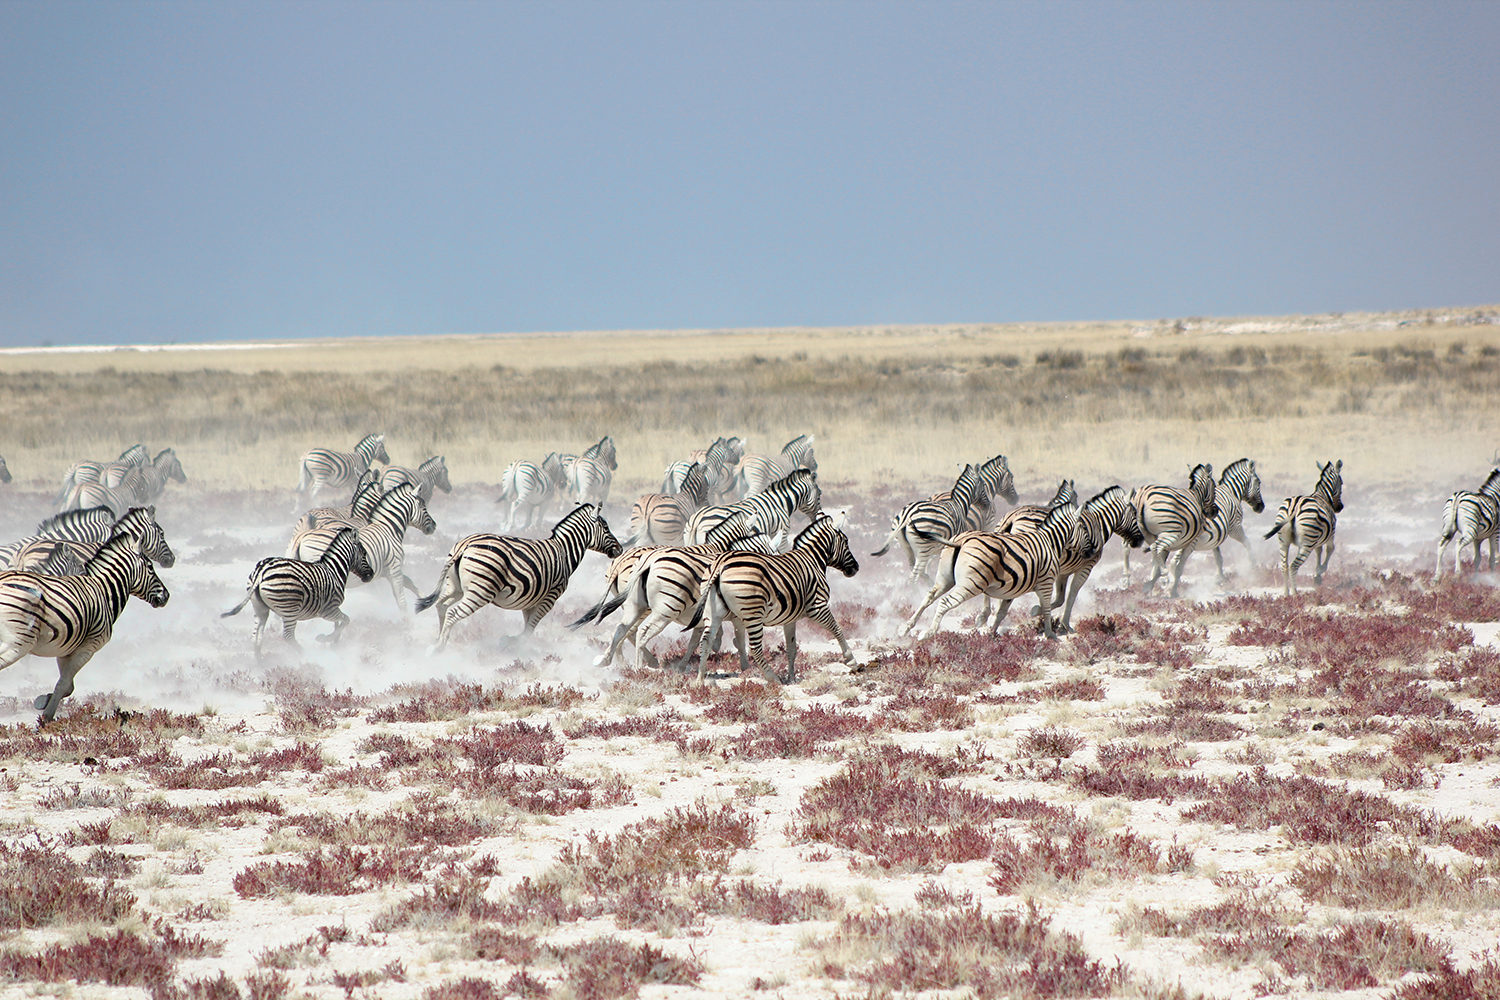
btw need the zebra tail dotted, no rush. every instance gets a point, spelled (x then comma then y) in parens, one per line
(423, 603)
(606, 607)
(928, 536)
(708, 588)
(891, 540)
(237, 608)
(1450, 522)
(303, 479)
(1274, 529)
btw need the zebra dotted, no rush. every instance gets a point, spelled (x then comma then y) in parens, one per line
(770, 510)
(298, 591)
(429, 476)
(530, 486)
(755, 590)
(1172, 521)
(522, 574)
(1308, 522)
(1003, 566)
(720, 461)
(89, 471)
(1027, 516)
(1103, 515)
(919, 526)
(323, 467)
(1472, 517)
(660, 585)
(72, 617)
(756, 473)
(152, 482)
(1239, 484)
(661, 518)
(65, 542)
(590, 474)
(383, 538)
(353, 514)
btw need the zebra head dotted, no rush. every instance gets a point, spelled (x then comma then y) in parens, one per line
(588, 524)
(1331, 484)
(403, 507)
(436, 471)
(1116, 516)
(604, 452)
(372, 449)
(167, 463)
(1069, 531)
(140, 523)
(1067, 493)
(345, 551)
(998, 480)
(829, 543)
(799, 452)
(807, 496)
(118, 560)
(1201, 482)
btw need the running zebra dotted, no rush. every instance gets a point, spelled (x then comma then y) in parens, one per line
(920, 527)
(429, 476)
(590, 474)
(299, 591)
(661, 585)
(323, 467)
(1172, 521)
(1102, 516)
(154, 475)
(383, 538)
(64, 543)
(756, 473)
(521, 574)
(530, 487)
(1239, 484)
(756, 590)
(72, 617)
(1472, 517)
(99, 472)
(1003, 566)
(720, 462)
(352, 514)
(1308, 522)
(770, 510)
(661, 518)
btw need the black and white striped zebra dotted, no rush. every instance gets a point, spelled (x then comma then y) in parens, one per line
(352, 514)
(299, 591)
(660, 585)
(661, 518)
(89, 471)
(431, 475)
(921, 526)
(1004, 566)
(756, 473)
(720, 461)
(1172, 521)
(521, 574)
(64, 543)
(530, 487)
(1239, 484)
(590, 474)
(1102, 516)
(1472, 517)
(72, 617)
(757, 590)
(324, 468)
(1029, 515)
(383, 538)
(1308, 522)
(770, 510)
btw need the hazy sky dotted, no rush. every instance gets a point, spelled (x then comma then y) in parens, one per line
(210, 171)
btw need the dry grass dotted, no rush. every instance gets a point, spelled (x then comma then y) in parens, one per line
(1153, 395)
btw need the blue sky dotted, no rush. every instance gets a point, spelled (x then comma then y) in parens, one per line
(224, 171)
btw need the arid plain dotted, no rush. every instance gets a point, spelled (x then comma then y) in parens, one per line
(1225, 795)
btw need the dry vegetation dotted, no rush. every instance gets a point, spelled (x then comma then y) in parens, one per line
(1101, 394)
(1223, 797)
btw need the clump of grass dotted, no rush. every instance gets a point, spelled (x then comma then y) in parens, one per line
(1065, 848)
(40, 886)
(608, 968)
(1050, 741)
(339, 871)
(1141, 640)
(442, 700)
(743, 701)
(1387, 878)
(803, 733)
(989, 955)
(118, 958)
(1355, 955)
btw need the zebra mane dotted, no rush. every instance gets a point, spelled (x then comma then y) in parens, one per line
(818, 525)
(582, 512)
(794, 443)
(80, 515)
(136, 454)
(1066, 493)
(387, 503)
(1492, 484)
(1232, 468)
(431, 463)
(1105, 497)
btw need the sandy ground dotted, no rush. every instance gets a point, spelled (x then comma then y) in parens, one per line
(187, 659)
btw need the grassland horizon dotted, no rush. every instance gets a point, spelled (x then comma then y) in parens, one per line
(1412, 393)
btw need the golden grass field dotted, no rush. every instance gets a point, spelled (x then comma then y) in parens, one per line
(1408, 394)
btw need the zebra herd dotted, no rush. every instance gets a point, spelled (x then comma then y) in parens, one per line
(717, 545)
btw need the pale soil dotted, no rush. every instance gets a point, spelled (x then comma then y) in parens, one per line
(186, 658)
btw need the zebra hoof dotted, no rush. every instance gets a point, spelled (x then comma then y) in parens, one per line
(601, 661)
(41, 702)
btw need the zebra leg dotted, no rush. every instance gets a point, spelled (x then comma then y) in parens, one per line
(1158, 563)
(1296, 564)
(262, 616)
(1000, 615)
(1044, 601)
(289, 633)
(1219, 562)
(1492, 553)
(1325, 554)
(398, 592)
(789, 631)
(538, 611)
(1478, 542)
(823, 615)
(1127, 565)
(616, 641)
(756, 636)
(1075, 584)
(941, 584)
(1177, 564)
(67, 669)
